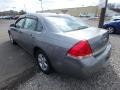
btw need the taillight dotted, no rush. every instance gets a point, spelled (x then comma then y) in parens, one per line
(80, 50)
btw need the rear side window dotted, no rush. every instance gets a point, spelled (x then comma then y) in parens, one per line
(39, 27)
(19, 23)
(30, 24)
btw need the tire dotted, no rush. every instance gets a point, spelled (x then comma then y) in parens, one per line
(11, 39)
(43, 62)
(111, 29)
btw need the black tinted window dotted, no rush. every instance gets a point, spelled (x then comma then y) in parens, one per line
(19, 23)
(30, 24)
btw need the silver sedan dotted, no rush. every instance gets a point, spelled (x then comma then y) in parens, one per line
(62, 43)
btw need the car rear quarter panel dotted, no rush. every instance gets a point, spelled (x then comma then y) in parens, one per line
(56, 47)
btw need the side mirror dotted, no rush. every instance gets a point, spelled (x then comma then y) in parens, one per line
(12, 25)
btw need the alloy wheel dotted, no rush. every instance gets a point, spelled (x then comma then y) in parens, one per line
(110, 29)
(42, 62)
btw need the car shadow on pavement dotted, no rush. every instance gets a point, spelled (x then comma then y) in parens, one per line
(106, 79)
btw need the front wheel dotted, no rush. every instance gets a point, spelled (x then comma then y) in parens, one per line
(111, 29)
(43, 62)
(11, 39)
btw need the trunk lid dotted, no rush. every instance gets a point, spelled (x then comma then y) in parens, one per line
(97, 38)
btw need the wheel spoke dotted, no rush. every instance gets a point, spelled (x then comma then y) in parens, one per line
(42, 62)
(110, 29)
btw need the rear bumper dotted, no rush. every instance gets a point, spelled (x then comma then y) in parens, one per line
(95, 63)
(87, 66)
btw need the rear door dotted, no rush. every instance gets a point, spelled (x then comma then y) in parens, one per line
(27, 36)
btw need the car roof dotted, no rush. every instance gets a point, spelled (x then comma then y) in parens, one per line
(43, 15)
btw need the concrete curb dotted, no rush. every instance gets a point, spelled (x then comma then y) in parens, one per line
(14, 81)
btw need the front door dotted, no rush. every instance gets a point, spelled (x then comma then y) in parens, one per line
(16, 31)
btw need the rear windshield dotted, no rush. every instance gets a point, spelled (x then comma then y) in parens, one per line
(67, 24)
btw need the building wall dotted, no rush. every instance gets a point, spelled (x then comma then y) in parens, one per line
(90, 10)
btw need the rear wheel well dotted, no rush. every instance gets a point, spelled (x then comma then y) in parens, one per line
(37, 49)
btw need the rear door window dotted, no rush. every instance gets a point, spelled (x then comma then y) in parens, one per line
(30, 24)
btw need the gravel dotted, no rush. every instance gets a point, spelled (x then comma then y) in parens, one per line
(107, 79)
